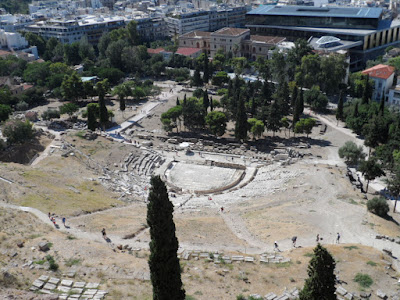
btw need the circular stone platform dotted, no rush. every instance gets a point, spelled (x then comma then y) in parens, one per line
(202, 178)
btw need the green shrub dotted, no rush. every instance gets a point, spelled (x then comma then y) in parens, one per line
(378, 206)
(364, 280)
(22, 105)
(371, 263)
(51, 114)
(240, 297)
(17, 131)
(53, 264)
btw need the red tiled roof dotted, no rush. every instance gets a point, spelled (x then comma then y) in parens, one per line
(27, 86)
(187, 51)
(231, 31)
(379, 71)
(155, 51)
(4, 53)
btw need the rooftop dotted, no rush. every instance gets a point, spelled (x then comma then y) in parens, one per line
(187, 51)
(309, 11)
(267, 39)
(379, 71)
(231, 31)
(155, 51)
(196, 34)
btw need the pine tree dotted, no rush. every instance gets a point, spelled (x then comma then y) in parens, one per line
(165, 272)
(206, 102)
(241, 121)
(320, 284)
(339, 111)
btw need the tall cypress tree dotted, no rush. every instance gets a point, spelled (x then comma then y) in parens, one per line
(177, 101)
(301, 101)
(102, 88)
(241, 124)
(206, 102)
(184, 100)
(366, 91)
(355, 111)
(320, 284)
(382, 105)
(294, 97)
(297, 111)
(165, 272)
(206, 69)
(211, 104)
(196, 79)
(91, 115)
(339, 111)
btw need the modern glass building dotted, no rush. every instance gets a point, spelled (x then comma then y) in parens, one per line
(364, 26)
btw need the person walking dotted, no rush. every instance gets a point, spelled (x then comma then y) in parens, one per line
(338, 238)
(63, 221)
(276, 247)
(317, 237)
(103, 232)
(294, 239)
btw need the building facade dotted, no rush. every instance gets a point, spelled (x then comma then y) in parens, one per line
(383, 76)
(206, 20)
(237, 41)
(196, 39)
(69, 31)
(229, 40)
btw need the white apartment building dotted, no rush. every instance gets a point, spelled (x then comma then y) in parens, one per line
(394, 96)
(13, 23)
(12, 40)
(210, 20)
(69, 31)
(187, 22)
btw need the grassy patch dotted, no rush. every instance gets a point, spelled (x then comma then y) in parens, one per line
(39, 262)
(372, 263)
(55, 196)
(308, 254)
(350, 247)
(283, 265)
(72, 261)
(351, 201)
(364, 280)
(80, 134)
(71, 237)
(34, 236)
